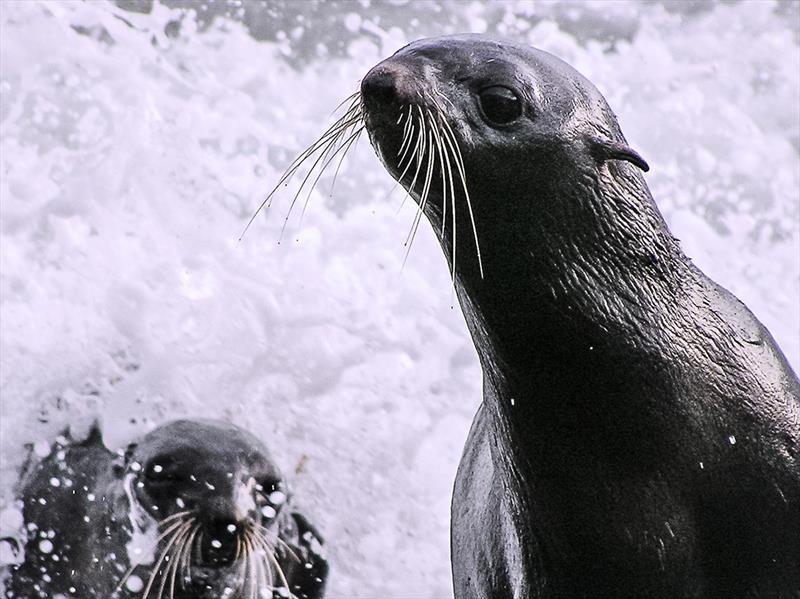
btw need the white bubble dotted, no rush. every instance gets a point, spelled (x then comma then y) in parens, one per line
(41, 449)
(732, 440)
(134, 584)
(11, 519)
(54, 482)
(45, 546)
(216, 544)
(231, 528)
(277, 497)
(352, 22)
(268, 511)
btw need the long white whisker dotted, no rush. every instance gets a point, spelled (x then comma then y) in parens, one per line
(269, 552)
(262, 532)
(418, 153)
(320, 159)
(453, 201)
(164, 553)
(169, 573)
(133, 567)
(459, 159)
(186, 557)
(345, 145)
(425, 192)
(351, 117)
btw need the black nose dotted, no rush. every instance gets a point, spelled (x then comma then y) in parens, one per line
(219, 543)
(380, 85)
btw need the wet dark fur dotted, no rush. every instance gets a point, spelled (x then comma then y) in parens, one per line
(87, 519)
(640, 428)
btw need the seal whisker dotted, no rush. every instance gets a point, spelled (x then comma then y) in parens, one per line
(163, 555)
(174, 516)
(453, 201)
(255, 573)
(435, 132)
(425, 190)
(352, 98)
(345, 145)
(247, 567)
(269, 553)
(264, 569)
(406, 133)
(135, 565)
(459, 160)
(176, 564)
(241, 574)
(277, 541)
(353, 116)
(411, 160)
(174, 561)
(322, 158)
(186, 557)
(354, 141)
(423, 145)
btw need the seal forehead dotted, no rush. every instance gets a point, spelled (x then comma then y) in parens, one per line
(478, 62)
(212, 443)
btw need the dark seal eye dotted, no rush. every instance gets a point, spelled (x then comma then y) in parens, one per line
(161, 473)
(500, 105)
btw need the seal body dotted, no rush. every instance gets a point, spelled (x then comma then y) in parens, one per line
(195, 509)
(639, 430)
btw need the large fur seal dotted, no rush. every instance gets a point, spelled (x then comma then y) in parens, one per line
(196, 509)
(640, 429)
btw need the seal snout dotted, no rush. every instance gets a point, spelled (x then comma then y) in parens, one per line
(218, 547)
(387, 84)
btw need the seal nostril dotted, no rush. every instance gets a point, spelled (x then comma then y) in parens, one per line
(379, 86)
(219, 542)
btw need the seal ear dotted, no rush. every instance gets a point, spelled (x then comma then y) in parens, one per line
(121, 462)
(95, 436)
(606, 149)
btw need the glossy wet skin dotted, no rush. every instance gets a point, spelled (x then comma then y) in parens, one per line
(615, 372)
(218, 473)
(519, 117)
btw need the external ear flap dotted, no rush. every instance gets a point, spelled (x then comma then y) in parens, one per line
(122, 461)
(95, 436)
(606, 149)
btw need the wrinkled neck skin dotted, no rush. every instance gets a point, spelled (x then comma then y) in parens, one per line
(578, 291)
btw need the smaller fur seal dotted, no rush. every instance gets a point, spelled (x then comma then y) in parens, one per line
(195, 509)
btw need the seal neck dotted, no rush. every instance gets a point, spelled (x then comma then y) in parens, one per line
(580, 275)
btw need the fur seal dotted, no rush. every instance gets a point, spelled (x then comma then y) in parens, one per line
(640, 428)
(195, 509)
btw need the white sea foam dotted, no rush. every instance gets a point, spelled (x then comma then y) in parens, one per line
(129, 169)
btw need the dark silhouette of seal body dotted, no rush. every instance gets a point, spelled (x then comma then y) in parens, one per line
(639, 430)
(208, 492)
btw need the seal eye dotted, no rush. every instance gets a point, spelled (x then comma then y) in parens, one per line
(158, 473)
(500, 105)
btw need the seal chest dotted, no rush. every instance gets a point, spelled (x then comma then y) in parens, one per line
(193, 510)
(640, 428)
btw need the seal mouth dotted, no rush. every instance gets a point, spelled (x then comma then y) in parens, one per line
(191, 553)
(220, 544)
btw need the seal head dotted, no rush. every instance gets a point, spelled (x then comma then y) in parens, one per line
(196, 509)
(215, 472)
